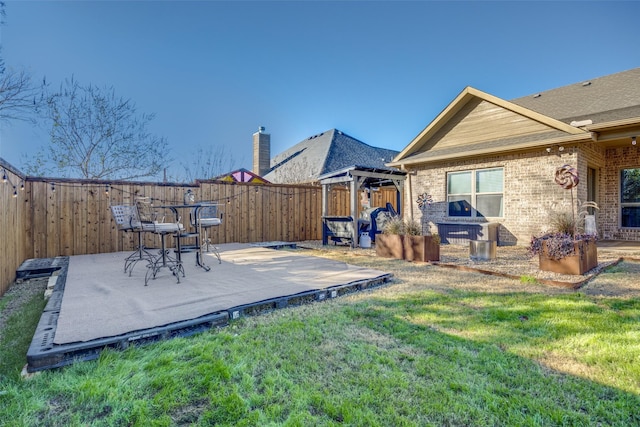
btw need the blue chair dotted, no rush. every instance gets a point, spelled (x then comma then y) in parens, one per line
(127, 219)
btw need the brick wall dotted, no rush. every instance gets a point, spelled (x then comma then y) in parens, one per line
(530, 192)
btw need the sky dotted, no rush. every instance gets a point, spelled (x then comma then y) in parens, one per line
(212, 72)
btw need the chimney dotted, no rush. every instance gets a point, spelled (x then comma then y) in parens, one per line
(261, 152)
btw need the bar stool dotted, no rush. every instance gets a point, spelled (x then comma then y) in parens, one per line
(149, 218)
(203, 218)
(127, 219)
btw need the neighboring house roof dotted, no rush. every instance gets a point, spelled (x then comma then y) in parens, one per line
(477, 123)
(324, 153)
(241, 175)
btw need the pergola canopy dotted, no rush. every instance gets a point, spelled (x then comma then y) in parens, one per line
(361, 177)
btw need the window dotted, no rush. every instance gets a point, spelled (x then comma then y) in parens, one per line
(630, 198)
(475, 194)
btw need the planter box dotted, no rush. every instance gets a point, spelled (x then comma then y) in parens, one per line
(584, 259)
(421, 248)
(389, 246)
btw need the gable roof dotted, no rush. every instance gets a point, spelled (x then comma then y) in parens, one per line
(466, 111)
(241, 175)
(324, 153)
(552, 117)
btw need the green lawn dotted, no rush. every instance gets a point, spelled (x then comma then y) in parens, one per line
(406, 354)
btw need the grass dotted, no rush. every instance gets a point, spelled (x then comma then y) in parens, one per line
(401, 355)
(16, 336)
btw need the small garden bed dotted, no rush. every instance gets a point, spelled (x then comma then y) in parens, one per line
(402, 239)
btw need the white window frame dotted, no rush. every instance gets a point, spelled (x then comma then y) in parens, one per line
(473, 195)
(625, 204)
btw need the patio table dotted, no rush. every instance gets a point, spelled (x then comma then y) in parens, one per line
(195, 207)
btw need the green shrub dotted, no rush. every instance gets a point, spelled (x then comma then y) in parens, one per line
(528, 280)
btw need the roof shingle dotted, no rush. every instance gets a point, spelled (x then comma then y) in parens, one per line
(612, 97)
(323, 153)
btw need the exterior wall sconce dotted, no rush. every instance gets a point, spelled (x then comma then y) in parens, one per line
(559, 148)
(633, 140)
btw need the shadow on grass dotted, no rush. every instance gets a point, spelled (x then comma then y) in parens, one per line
(565, 358)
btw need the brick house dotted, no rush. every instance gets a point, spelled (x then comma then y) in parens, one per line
(489, 164)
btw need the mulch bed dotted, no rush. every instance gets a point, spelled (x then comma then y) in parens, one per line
(511, 262)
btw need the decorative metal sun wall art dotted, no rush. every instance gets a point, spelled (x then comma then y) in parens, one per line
(424, 200)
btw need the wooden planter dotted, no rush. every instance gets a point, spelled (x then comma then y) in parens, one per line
(584, 259)
(421, 248)
(389, 246)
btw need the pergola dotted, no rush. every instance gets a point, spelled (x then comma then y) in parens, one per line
(361, 177)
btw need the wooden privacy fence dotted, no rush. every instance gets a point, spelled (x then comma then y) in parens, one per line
(13, 213)
(58, 217)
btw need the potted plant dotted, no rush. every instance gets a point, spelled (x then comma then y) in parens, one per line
(419, 247)
(565, 253)
(389, 243)
(565, 249)
(402, 239)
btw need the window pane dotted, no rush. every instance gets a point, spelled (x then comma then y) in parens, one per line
(630, 185)
(460, 206)
(489, 205)
(489, 181)
(459, 183)
(631, 216)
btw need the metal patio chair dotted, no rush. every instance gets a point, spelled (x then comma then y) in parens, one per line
(152, 220)
(202, 219)
(128, 220)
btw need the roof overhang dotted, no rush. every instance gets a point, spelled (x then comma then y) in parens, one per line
(615, 133)
(373, 176)
(435, 157)
(459, 102)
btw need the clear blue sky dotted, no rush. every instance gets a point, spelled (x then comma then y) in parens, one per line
(214, 71)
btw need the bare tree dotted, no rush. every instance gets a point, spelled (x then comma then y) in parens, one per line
(208, 163)
(18, 96)
(97, 135)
